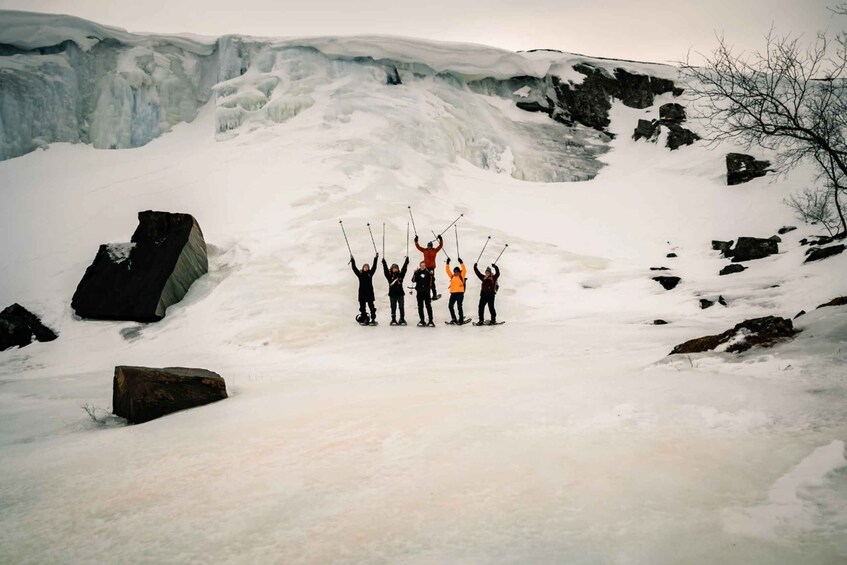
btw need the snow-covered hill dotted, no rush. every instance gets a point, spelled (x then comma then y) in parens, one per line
(565, 435)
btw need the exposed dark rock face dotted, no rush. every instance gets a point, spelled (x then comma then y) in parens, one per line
(139, 280)
(820, 253)
(801, 313)
(588, 103)
(762, 332)
(393, 77)
(141, 394)
(732, 269)
(672, 112)
(840, 301)
(785, 229)
(660, 322)
(750, 248)
(668, 283)
(723, 246)
(670, 117)
(741, 168)
(20, 327)
(775, 238)
(706, 303)
(671, 255)
(659, 269)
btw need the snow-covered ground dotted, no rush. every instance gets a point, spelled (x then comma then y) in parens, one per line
(566, 435)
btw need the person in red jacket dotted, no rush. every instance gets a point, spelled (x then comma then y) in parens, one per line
(430, 254)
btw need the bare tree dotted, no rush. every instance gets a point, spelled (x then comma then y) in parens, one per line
(790, 98)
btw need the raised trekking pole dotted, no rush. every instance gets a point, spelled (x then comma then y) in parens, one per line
(501, 254)
(383, 240)
(345, 239)
(372, 239)
(413, 221)
(456, 233)
(483, 249)
(444, 249)
(407, 239)
(451, 225)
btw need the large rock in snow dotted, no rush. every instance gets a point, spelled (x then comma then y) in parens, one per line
(139, 280)
(672, 112)
(141, 394)
(20, 327)
(750, 248)
(762, 332)
(840, 301)
(668, 283)
(741, 168)
(820, 253)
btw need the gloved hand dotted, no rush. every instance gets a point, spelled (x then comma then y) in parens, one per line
(448, 260)
(416, 239)
(460, 261)
(440, 238)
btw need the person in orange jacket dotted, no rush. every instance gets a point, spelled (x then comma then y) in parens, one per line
(458, 277)
(430, 254)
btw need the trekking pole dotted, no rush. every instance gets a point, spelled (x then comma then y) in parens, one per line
(407, 239)
(501, 254)
(372, 239)
(383, 240)
(345, 238)
(443, 248)
(483, 249)
(456, 232)
(454, 222)
(413, 221)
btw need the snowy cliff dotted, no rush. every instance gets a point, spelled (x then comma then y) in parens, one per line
(64, 79)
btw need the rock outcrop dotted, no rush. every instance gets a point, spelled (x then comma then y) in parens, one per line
(723, 246)
(840, 301)
(732, 269)
(820, 253)
(670, 117)
(19, 327)
(668, 283)
(758, 332)
(741, 168)
(141, 394)
(751, 248)
(138, 281)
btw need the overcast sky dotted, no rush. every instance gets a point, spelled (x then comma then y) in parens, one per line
(654, 30)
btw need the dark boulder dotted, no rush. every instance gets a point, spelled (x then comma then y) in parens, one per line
(141, 394)
(762, 332)
(706, 303)
(750, 248)
(139, 280)
(20, 327)
(668, 283)
(672, 112)
(533, 106)
(741, 168)
(679, 136)
(785, 229)
(723, 246)
(671, 255)
(801, 313)
(732, 269)
(820, 253)
(645, 130)
(660, 322)
(840, 301)
(775, 238)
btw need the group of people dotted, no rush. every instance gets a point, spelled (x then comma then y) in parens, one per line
(424, 284)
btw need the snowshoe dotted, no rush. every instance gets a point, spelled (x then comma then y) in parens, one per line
(401, 323)
(489, 323)
(421, 325)
(436, 297)
(374, 323)
(393, 323)
(431, 324)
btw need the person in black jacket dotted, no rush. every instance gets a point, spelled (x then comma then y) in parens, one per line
(487, 292)
(395, 290)
(423, 288)
(366, 290)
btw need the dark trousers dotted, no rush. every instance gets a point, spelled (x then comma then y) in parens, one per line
(424, 300)
(401, 302)
(487, 299)
(369, 304)
(457, 298)
(432, 277)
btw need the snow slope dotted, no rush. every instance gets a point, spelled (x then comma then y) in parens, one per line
(565, 435)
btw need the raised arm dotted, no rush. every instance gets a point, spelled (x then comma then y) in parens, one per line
(373, 267)
(403, 270)
(418, 245)
(464, 271)
(478, 274)
(496, 272)
(353, 266)
(440, 244)
(449, 271)
(385, 270)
